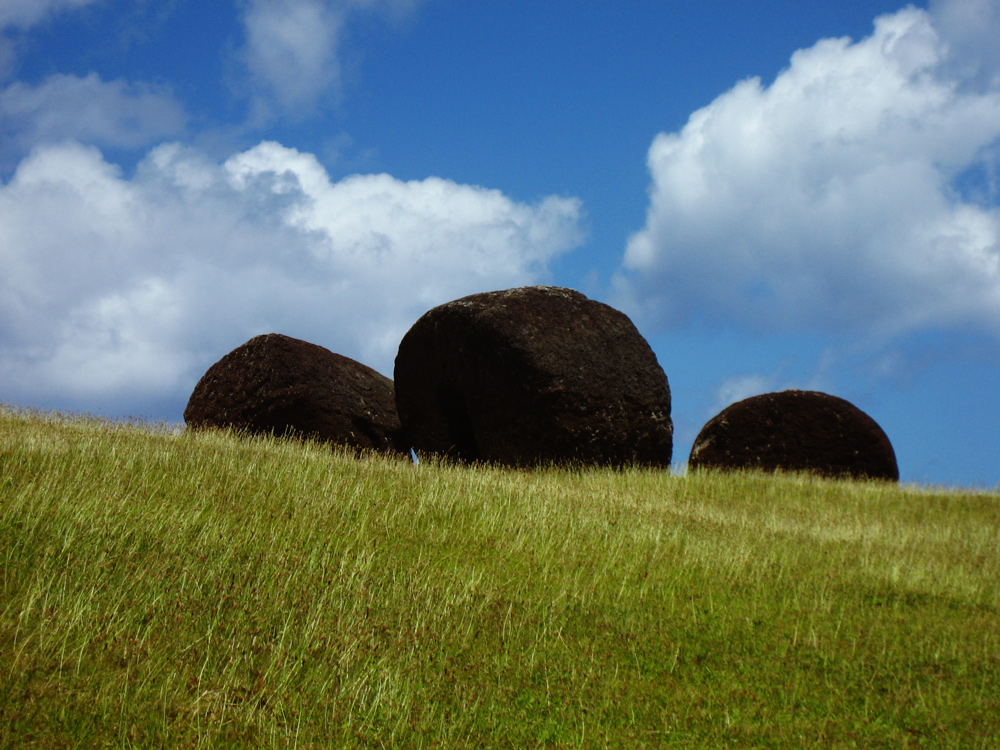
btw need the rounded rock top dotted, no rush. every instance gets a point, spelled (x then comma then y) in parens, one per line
(532, 376)
(796, 430)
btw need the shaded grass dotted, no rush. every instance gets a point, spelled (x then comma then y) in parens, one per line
(212, 590)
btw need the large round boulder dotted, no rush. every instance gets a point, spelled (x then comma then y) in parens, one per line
(796, 431)
(532, 376)
(279, 385)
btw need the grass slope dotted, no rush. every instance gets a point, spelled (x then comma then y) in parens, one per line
(206, 590)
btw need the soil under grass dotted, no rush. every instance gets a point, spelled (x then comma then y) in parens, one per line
(210, 590)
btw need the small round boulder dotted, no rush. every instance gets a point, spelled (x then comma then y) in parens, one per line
(275, 384)
(533, 376)
(795, 430)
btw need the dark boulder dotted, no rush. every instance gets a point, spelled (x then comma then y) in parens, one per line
(532, 376)
(796, 431)
(279, 385)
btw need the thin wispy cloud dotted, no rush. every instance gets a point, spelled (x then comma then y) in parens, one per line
(23, 14)
(970, 28)
(292, 52)
(113, 114)
(17, 16)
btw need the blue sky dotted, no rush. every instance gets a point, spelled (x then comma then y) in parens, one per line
(779, 194)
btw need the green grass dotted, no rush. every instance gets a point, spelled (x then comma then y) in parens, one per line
(207, 590)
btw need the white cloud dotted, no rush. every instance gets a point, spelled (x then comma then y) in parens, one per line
(107, 113)
(826, 200)
(135, 286)
(25, 13)
(292, 50)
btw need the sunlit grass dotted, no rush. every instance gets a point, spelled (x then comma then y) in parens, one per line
(162, 589)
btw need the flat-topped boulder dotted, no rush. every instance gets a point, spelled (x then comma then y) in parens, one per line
(796, 431)
(275, 384)
(532, 376)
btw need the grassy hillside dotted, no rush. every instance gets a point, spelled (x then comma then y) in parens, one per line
(203, 590)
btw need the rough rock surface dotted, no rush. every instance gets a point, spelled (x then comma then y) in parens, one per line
(281, 385)
(532, 376)
(796, 431)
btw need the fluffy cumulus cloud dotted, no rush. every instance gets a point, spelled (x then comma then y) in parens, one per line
(124, 290)
(292, 50)
(112, 114)
(833, 199)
